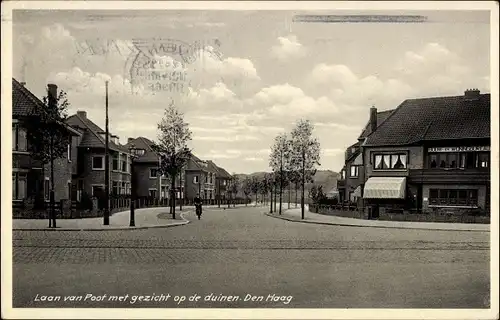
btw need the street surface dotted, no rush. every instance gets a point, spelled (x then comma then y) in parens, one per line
(241, 253)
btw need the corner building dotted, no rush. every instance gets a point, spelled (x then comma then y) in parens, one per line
(430, 154)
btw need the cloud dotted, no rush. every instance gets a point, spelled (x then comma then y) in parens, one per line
(288, 48)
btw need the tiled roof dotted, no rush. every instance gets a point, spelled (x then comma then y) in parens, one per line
(221, 173)
(144, 143)
(381, 116)
(23, 100)
(439, 118)
(91, 137)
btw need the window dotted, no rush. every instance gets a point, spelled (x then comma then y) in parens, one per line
(115, 188)
(69, 190)
(342, 174)
(390, 161)
(69, 152)
(453, 197)
(210, 194)
(123, 188)
(196, 179)
(206, 178)
(19, 186)
(483, 160)
(153, 172)
(224, 182)
(456, 160)
(124, 166)
(98, 163)
(433, 158)
(354, 171)
(152, 193)
(97, 191)
(19, 141)
(115, 163)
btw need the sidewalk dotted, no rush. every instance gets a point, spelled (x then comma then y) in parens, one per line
(310, 217)
(158, 217)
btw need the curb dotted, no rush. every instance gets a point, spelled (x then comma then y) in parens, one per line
(175, 224)
(365, 226)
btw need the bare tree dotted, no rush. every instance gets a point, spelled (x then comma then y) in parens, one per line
(247, 189)
(173, 136)
(305, 154)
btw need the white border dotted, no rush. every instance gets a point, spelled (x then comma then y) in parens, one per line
(400, 7)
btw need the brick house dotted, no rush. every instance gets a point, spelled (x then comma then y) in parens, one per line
(431, 154)
(222, 182)
(149, 182)
(352, 174)
(88, 172)
(200, 178)
(30, 179)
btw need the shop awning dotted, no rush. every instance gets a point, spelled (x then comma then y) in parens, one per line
(357, 192)
(385, 188)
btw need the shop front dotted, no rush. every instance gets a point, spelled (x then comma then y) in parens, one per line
(384, 194)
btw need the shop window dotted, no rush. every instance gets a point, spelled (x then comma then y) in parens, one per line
(390, 161)
(152, 193)
(433, 160)
(453, 197)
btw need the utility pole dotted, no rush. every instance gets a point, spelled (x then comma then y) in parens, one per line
(106, 165)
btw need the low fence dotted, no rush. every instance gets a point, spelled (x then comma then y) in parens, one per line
(433, 215)
(66, 209)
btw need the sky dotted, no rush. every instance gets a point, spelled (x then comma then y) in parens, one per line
(243, 77)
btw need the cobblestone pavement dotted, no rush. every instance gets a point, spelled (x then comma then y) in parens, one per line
(241, 251)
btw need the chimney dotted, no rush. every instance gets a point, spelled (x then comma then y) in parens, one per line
(373, 119)
(52, 91)
(23, 83)
(129, 140)
(82, 114)
(472, 94)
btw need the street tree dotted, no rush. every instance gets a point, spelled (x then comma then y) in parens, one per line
(305, 155)
(173, 137)
(234, 188)
(255, 185)
(280, 151)
(246, 187)
(48, 136)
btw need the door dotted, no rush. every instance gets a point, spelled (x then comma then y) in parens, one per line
(419, 198)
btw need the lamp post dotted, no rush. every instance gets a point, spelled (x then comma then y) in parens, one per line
(134, 153)
(106, 164)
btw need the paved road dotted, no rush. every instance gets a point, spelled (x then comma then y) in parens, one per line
(235, 253)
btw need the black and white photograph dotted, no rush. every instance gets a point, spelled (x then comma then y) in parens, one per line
(326, 160)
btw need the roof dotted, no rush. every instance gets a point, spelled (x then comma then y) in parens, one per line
(91, 137)
(144, 143)
(222, 173)
(381, 117)
(439, 118)
(23, 102)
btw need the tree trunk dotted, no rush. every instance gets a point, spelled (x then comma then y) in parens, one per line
(275, 196)
(173, 196)
(181, 198)
(256, 199)
(281, 189)
(289, 194)
(303, 182)
(271, 197)
(296, 194)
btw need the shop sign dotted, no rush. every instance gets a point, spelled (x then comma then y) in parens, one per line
(460, 149)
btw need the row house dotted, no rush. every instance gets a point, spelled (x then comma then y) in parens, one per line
(196, 177)
(146, 168)
(222, 182)
(31, 178)
(88, 171)
(430, 153)
(352, 174)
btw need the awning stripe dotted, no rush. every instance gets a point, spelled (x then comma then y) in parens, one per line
(385, 188)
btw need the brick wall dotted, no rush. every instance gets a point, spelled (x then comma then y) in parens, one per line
(62, 176)
(144, 182)
(191, 187)
(97, 177)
